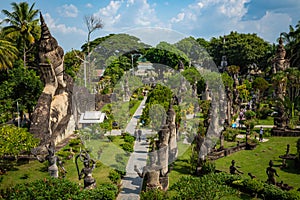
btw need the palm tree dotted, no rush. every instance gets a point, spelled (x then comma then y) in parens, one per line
(7, 54)
(293, 44)
(22, 26)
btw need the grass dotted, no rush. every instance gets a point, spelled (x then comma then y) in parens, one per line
(34, 170)
(256, 161)
(268, 121)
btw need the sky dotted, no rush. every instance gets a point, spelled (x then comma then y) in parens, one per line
(196, 18)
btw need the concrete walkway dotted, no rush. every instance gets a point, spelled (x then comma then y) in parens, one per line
(132, 183)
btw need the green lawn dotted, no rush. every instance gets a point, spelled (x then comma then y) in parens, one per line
(256, 161)
(112, 156)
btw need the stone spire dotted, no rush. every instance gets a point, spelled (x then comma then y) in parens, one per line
(45, 34)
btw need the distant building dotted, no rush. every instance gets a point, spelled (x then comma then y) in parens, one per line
(91, 117)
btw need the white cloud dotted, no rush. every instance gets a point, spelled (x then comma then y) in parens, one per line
(122, 15)
(61, 28)
(178, 18)
(268, 27)
(68, 10)
(88, 5)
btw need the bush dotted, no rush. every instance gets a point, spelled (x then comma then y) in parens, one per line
(264, 112)
(127, 147)
(230, 134)
(54, 188)
(210, 186)
(208, 167)
(155, 194)
(129, 139)
(114, 176)
(74, 142)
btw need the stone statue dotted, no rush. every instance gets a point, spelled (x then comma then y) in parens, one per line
(151, 172)
(279, 62)
(53, 111)
(271, 172)
(86, 172)
(233, 169)
(53, 160)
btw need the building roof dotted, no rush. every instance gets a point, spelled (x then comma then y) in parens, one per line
(91, 117)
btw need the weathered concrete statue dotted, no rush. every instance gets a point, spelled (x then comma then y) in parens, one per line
(151, 172)
(53, 161)
(86, 172)
(52, 113)
(279, 62)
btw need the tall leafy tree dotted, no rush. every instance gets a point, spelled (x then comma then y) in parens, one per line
(241, 50)
(7, 54)
(292, 38)
(22, 26)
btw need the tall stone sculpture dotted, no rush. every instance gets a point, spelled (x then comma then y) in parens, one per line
(279, 62)
(53, 111)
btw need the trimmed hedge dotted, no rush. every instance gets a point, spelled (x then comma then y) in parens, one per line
(54, 188)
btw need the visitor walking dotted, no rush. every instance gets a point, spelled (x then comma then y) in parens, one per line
(261, 132)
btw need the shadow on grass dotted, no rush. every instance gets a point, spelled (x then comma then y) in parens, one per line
(182, 166)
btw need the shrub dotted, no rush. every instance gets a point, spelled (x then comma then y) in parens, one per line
(114, 176)
(129, 138)
(54, 188)
(210, 186)
(127, 147)
(264, 112)
(208, 167)
(155, 194)
(74, 142)
(230, 134)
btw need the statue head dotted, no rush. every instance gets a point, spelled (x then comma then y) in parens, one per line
(271, 163)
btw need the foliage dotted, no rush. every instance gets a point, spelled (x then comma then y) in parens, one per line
(54, 188)
(166, 54)
(18, 85)
(14, 141)
(192, 75)
(72, 62)
(210, 186)
(292, 39)
(22, 26)
(208, 167)
(114, 176)
(230, 134)
(159, 95)
(154, 194)
(194, 49)
(264, 112)
(128, 147)
(264, 190)
(241, 50)
(7, 54)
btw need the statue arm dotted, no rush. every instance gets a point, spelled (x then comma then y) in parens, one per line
(138, 171)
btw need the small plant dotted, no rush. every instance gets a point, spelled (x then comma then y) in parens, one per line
(127, 147)
(114, 176)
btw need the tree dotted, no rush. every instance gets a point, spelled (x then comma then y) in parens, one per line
(241, 50)
(7, 54)
(92, 23)
(293, 44)
(23, 27)
(260, 85)
(14, 140)
(72, 62)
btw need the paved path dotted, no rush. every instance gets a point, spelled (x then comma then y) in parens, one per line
(132, 183)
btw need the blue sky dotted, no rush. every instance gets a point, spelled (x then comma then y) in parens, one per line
(197, 18)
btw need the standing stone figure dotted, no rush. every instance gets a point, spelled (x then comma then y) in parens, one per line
(271, 172)
(86, 172)
(53, 161)
(151, 172)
